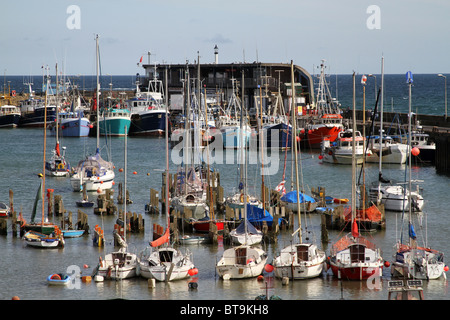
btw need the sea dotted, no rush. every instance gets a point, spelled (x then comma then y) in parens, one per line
(23, 269)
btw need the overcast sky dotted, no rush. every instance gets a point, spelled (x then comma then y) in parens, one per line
(351, 35)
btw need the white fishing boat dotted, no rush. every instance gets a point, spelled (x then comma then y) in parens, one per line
(340, 151)
(9, 116)
(392, 152)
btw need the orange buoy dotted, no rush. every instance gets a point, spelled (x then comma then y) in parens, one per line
(415, 151)
(55, 277)
(260, 277)
(268, 268)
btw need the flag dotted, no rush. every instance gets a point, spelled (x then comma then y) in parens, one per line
(409, 77)
(363, 79)
(280, 187)
(412, 233)
(355, 232)
(140, 61)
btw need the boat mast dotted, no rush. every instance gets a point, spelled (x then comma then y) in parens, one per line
(243, 159)
(409, 81)
(45, 144)
(380, 154)
(294, 141)
(353, 153)
(97, 93)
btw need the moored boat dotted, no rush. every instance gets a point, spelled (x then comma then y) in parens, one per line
(9, 116)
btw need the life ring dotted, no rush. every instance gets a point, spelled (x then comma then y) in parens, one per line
(60, 166)
(13, 93)
(242, 198)
(55, 277)
(94, 171)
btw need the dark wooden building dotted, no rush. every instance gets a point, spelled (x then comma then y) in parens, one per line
(263, 80)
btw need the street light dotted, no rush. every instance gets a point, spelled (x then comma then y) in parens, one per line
(445, 93)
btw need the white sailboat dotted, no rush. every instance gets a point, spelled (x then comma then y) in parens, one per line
(120, 264)
(393, 196)
(42, 235)
(411, 260)
(243, 261)
(299, 260)
(93, 173)
(161, 261)
(57, 166)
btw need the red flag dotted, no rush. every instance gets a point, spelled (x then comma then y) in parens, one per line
(57, 150)
(140, 61)
(355, 232)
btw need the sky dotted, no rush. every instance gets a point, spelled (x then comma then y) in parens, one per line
(351, 35)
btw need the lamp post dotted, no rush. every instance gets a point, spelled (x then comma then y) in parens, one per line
(445, 93)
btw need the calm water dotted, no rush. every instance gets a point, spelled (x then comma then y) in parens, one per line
(23, 270)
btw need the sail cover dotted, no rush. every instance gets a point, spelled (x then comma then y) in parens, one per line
(291, 197)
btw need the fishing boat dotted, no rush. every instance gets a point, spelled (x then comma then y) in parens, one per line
(329, 121)
(74, 124)
(391, 151)
(59, 279)
(299, 260)
(115, 122)
(34, 111)
(230, 126)
(148, 113)
(9, 116)
(353, 257)
(93, 173)
(241, 262)
(427, 148)
(193, 239)
(410, 259)
(340, 151)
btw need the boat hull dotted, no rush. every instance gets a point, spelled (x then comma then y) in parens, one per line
(356, 271)
(36, 118)
(115, 126)
(152, 123)
(9, 120)
(79, 127)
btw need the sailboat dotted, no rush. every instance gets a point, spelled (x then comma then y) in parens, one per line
(393, 196)
(300, 260)
(245, 260)
(120, 264)
(93, 173)
(43, 234)
(162, 261)
(57, 166)
(353, 257)
(411, 260)
(245, 233)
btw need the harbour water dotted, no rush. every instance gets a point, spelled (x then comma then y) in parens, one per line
(23, 270)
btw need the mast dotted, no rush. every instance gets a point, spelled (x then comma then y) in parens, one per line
(242, 158)
(125, 187)
(294, 141)
(353, 153)
(167, 156)
(45, 144)
(97, 93)
(381, 130)
(409, 81)
(57, 109)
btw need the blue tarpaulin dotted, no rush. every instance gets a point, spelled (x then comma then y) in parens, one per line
(291, 197)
